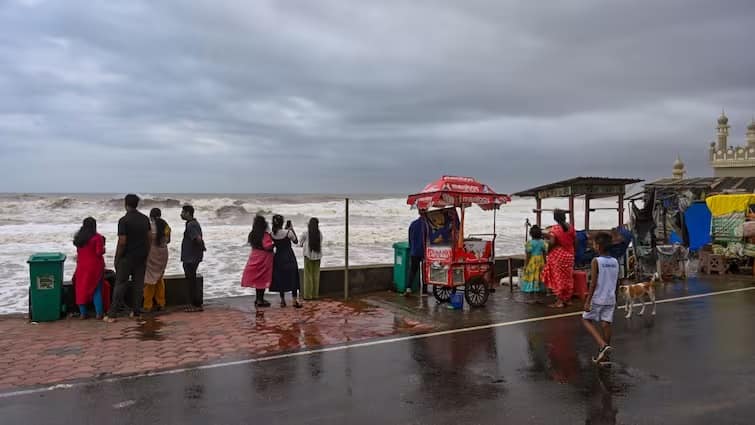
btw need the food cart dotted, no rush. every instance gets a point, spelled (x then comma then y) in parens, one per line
(451, 259)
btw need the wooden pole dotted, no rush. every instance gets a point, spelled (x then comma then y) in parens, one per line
(571, 210)
(539, 214)
(526, 230)
(346, 255)
(621, 209)
(587, 212)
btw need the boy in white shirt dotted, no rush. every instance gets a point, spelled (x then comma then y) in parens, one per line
(601, 297)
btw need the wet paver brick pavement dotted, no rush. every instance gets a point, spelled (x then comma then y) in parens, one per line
(73, 349)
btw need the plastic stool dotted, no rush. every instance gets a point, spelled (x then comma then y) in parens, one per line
(580, 284)
(717, 264)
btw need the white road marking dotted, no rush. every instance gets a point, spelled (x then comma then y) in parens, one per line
(11, 394)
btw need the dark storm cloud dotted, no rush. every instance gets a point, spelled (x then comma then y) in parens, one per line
(371, 96)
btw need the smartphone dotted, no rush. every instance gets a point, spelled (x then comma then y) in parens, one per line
(288, 224)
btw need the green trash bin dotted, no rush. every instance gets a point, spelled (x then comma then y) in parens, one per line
(46, 286)
(402, 265)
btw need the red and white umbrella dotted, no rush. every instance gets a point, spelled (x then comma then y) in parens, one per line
(454, 191)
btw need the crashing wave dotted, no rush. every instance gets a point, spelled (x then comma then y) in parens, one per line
(296, 199)
(149, 203)
(231, 211)
(63, 203)
(162, 203)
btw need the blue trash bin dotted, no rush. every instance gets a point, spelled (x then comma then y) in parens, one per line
(457, 300)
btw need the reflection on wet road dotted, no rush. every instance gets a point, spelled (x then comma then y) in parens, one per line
(690, 364)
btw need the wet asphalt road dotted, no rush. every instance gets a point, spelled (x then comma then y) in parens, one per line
(693, 363)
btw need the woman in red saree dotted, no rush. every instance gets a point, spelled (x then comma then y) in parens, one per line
(90, 267)
(559, 265)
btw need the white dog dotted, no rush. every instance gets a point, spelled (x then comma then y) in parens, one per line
(638, 291)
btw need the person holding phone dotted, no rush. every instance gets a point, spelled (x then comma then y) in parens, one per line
(285, 266)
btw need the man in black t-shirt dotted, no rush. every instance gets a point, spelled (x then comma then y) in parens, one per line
(134, 242)
(192, 253)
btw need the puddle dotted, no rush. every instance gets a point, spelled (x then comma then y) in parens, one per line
(194, 392)
(147, 330)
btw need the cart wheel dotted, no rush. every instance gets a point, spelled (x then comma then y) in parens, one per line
(443, 293)
(476, 292)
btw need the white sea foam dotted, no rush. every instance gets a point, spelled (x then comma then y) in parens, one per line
(43, 223)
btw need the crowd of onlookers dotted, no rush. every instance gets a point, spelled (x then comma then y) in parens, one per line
(141, 258)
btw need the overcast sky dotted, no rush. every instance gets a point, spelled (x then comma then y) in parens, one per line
(363, 96)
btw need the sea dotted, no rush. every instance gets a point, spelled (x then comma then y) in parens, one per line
(31, 223)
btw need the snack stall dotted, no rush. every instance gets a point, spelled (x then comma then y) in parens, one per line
(588, 188)
(675, 225)
(452, 259)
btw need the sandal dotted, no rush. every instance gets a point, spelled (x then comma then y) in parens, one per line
(108, 319)
(261, 304)
(193, 309)
(298, 304)
(557, 304)
(283, 303)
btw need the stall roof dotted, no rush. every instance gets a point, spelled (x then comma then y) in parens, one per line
(596, 187)
(671, 183)
(711, 184)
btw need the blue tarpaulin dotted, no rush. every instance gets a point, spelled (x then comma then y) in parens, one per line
(697, 219)
(584, 254)
(618, 250)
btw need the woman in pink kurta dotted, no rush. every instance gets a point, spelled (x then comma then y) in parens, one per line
(90, 267)
(258, 273)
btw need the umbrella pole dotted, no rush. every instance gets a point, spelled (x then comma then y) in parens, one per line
(461, 230)
(495, 235)
(494, 211)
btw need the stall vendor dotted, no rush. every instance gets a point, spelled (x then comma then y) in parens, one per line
(442, 227)
(621, 238)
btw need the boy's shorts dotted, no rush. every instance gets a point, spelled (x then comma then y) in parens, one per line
(600, 313)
